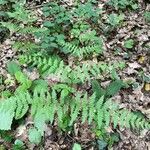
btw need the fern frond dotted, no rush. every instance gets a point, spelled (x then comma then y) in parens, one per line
(7, 113)
(75, 108)
(25, 46)
(45, 106)
(11, 26)
(45, 66)
(21, 14)
(80, 51)
(54, 66)
(31, 30)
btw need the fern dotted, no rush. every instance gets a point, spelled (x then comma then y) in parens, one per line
(25, 46)
(54, 66)
(11, 26)
(123, 4)
(45, 66)
(21, 14)
(45, 106)
(80, 51)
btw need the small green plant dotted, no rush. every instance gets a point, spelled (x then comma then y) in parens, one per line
(34, 136)
(115, 20)
(76, 146)
(13, 67)
(129, 43)
(87, 11)
(106, 139)
(15, 70)
(123, 4)
(25, 83)
(21, 21)
(112, 89)
(81, 51)
(18, 144)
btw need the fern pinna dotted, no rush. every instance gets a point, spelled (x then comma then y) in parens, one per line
(46, 106)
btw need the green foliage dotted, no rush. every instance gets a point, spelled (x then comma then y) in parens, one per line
(129, 43)
(45, 66)
(56, 26)
(63, 19)
(21, 21)
(34, 136)
(147, 16)
(46, 106)
(39, 84)
(59, 13)
(87, 11)
(114, 19)
(18, 145)
(67, 32)
(23, 80)
(123, 4)
(21, 29)
(76, 146)
(6, 136)
(106, 139)
(22, 15)
(4, 2)
(77, 51)
(53, 66)
(25, 46)
(62, 14)
(5, 94)
(112, 89)
(13, 67)
(15, 70)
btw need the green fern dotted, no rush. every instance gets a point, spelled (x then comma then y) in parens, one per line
(67, 74)
(45, 66)
(80, 51)
(25, 46)
(11, 26)
(45, 106)
(21, 14)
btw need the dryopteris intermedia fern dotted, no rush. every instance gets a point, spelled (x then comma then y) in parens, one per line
(65, 73)
(74, 50)
(46, 106)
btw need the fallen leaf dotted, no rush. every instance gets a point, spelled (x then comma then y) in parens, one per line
(134, 65)
(141, 59)
(147, 87)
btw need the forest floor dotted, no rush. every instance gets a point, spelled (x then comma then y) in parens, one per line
(136, 97)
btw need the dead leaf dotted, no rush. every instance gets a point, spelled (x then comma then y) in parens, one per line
(147, 87)
(141, 59)
(134, 65)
